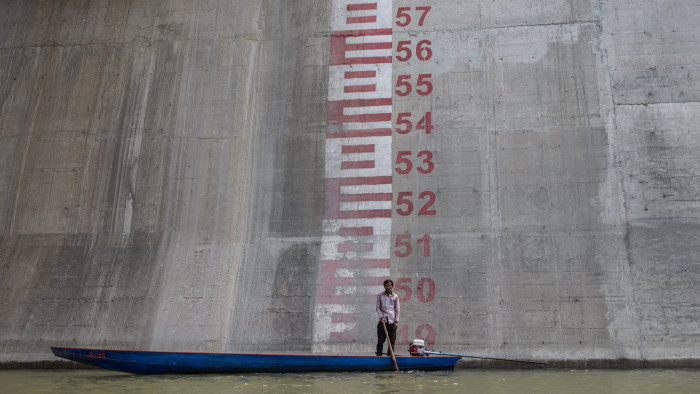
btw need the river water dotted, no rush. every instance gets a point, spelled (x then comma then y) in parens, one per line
(458, 381)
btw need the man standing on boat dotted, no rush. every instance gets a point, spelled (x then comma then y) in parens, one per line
(388, 309)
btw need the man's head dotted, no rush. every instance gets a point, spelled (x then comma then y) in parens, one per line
(388, 285)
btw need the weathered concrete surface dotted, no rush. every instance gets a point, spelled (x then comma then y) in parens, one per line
(162, 177)
(159, 160)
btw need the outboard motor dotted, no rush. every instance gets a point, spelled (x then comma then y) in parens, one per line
(416, 348)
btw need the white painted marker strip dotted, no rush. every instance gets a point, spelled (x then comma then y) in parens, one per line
(358, 151)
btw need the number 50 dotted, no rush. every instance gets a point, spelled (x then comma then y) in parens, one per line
(420, 289)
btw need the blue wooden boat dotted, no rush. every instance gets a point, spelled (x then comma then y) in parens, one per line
(150, 362)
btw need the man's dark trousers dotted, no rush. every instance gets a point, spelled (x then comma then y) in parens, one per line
(381, 337)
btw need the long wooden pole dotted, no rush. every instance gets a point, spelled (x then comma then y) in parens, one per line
(391, 349)
(541, 363)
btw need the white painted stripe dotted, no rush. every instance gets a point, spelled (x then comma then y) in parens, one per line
(358, 290)
(367, 125)
(379, 109)
(382, 145)
(368, 53)
(357, 156)
(367, 39)
(364, 205)
(365, 272)
(381, 226)
(359, 81)
(365, 189)
(362, 12)
(342, 327)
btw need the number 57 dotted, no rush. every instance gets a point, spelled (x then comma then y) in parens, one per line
(405, 17)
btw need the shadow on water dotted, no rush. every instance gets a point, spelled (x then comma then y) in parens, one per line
(459, 381)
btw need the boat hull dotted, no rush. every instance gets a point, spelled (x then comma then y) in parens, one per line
(148, 362)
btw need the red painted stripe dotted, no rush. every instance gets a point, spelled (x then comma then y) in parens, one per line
(364, 118)
(365, 214)
(338, 317)
(360, 247)
(360, 88)
(363, 32)
(361, 7)
(341, 336)
(366, 60)
(360, 74)
(332, 265)
(366, 197)
(340, 104)
(356, 231)
(368, 46)
(360, 133)
(370, 280)
(347, 149)
(367, 180)
(361, 19)
(354, 165)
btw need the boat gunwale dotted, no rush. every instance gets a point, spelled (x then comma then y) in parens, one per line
(238, 354)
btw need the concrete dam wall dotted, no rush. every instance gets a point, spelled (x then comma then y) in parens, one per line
(242, 176)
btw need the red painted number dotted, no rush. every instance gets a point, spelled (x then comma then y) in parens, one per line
(425, 123)
(98, 355)
(401, 287)
(404, 165)
(427, 166)
(423, 85)
(423, 331)
(404, 17)
(403, 87)
(406, 205)
(423, 51)
(402, 13)
(426, 211)
(426, 333)
(425, 10)
(420, 289)
(424, 81)
(402, 199)
(404, 125)
(425, 240)
(404, 248)
(403, 46)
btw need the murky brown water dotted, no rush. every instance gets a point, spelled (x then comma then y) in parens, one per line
(459, 381)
